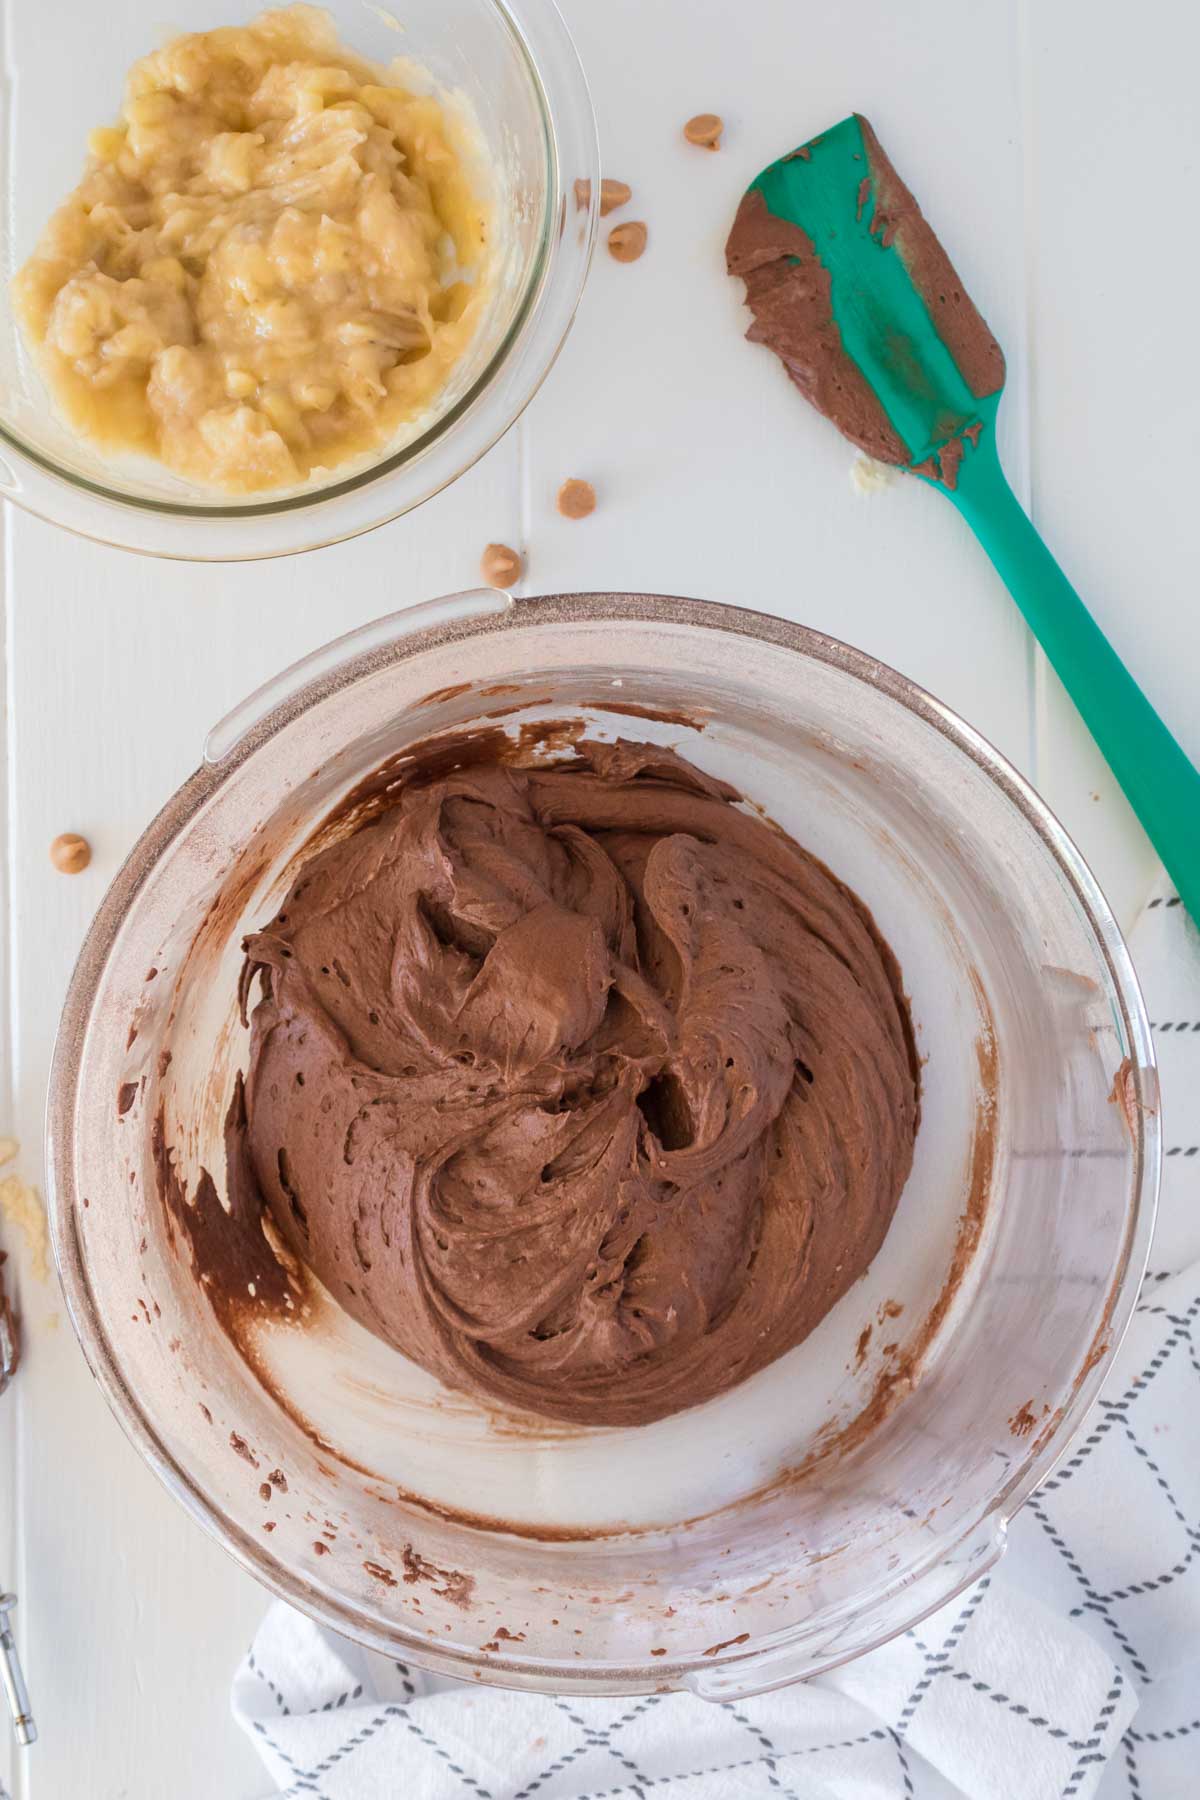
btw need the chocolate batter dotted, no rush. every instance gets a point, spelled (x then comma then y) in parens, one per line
(585, 1089)
(788, 290)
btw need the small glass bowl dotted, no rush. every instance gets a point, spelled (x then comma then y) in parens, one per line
(512, 69)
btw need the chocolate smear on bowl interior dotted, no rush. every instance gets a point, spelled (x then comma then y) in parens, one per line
(230, 1254)
(456, 1587)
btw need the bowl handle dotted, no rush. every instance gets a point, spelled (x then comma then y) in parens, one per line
(380, 635)
(757, 1672)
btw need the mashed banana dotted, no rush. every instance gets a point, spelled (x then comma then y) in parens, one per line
(271, 265)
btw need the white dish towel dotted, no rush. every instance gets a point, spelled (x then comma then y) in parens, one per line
(1073, 1669)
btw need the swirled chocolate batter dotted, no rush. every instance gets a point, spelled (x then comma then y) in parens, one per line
(584, 1088)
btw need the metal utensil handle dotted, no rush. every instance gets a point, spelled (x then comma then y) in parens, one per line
(9, 1349)
(13, 1678)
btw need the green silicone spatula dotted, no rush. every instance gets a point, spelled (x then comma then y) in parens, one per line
(854, 293)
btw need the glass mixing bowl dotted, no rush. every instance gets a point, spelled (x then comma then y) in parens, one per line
(836, 1497)
(511, 69)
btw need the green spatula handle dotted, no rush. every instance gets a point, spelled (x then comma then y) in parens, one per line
(1160, 782)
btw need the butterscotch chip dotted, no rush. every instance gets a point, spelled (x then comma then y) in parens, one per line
(626, 242)
(500, 566)
(705, 130)
(612, 195)
(576, 499)
(70, 853)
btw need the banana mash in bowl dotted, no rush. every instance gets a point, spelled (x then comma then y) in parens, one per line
(271, 265)
(321, 260)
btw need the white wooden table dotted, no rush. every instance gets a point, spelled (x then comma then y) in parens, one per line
(1054, 145)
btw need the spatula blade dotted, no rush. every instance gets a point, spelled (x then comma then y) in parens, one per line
(850, 287)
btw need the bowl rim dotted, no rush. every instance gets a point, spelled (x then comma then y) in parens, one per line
(917, 1590)
(552, 285)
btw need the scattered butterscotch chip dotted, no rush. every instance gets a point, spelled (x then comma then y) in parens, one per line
(705, 130)
(626, 242)
(576, 499)
(612, 195)
(70, 853)
(500, 566)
